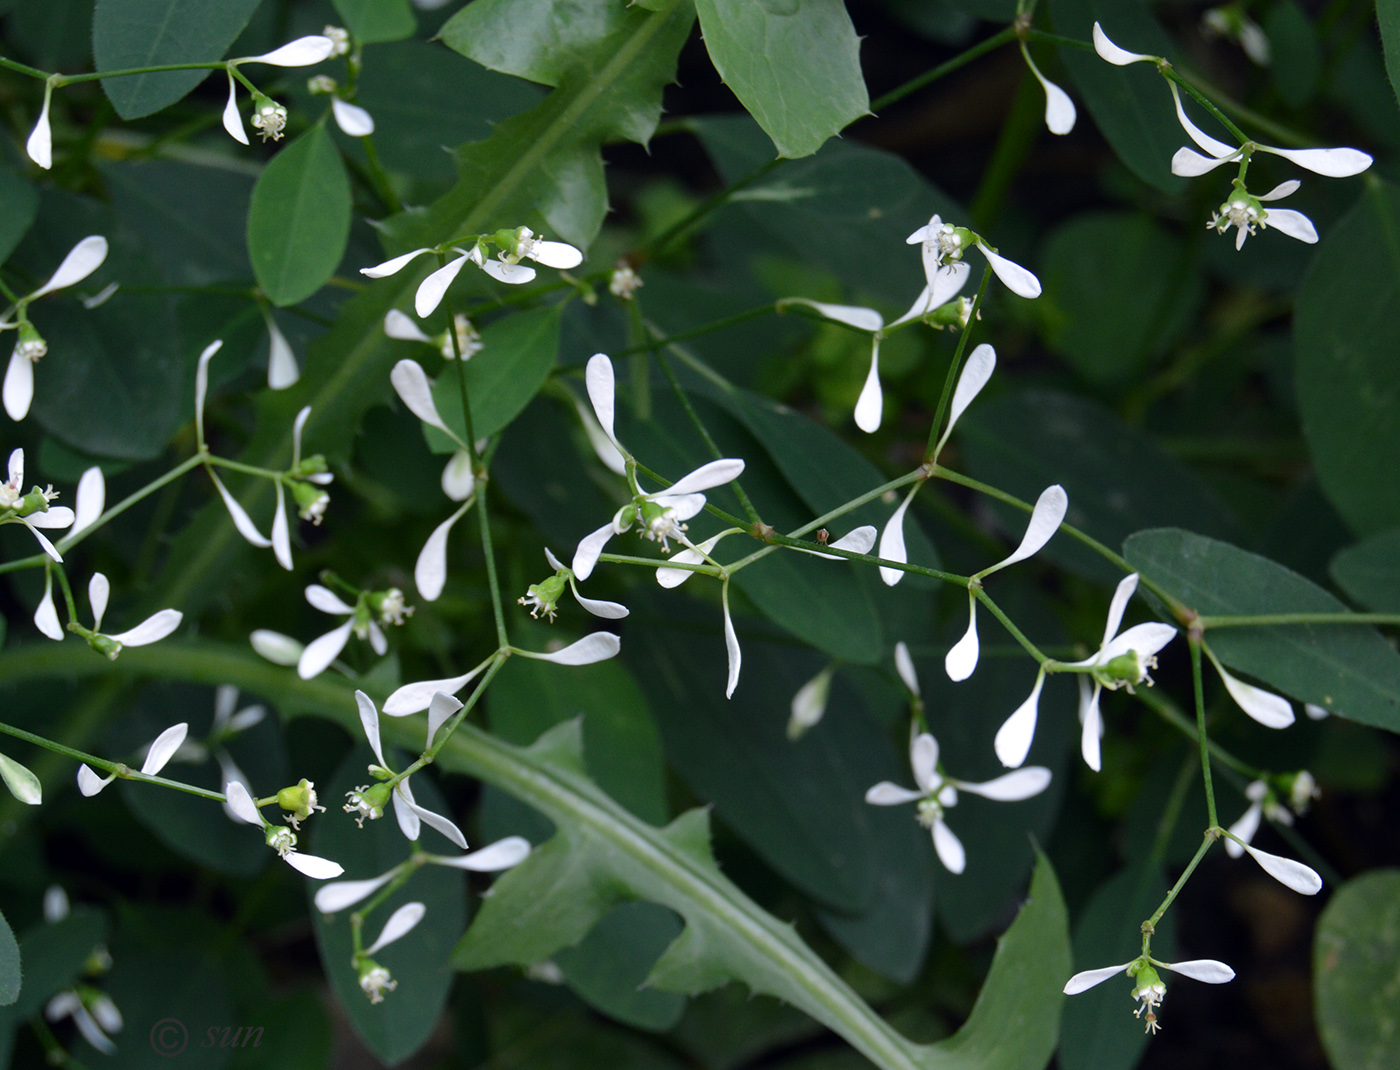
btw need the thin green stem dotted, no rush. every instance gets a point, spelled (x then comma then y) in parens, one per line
(492, 580)
(1275, 619)
(1056, 39)
(383, 188)
(962, 59)
(1198, 688)
(1166, 709)
(60, 80)
(696, 215)
(1171, 74)
(239, 466)
(1150, 925)
(996, 611)
(1166, 824)
(33, 72)
(659, 562)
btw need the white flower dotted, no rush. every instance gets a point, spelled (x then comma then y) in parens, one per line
(339, 37)
(937, 792)
(241, 807)
(544, 597)
(82, 260)
(40, 144)
(269, 119)
(151, 630)
(320, 652)
(1148, 988)
(32, 509)
(375, 981)
(659, 515)
(161, 750)
(303, 52)
(624, 282)
(93, 1013)
(945, 244)
(1245, 212)
(1262, 802)
(352, 119)
(1122, 661)
(1268, 709)
(1046, 517)
(1059, 109)
(525, 244)
(974, 376)
(904, 665)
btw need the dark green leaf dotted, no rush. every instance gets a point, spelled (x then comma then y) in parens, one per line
(538, 41)
(1297, 57)
(10, 969)
(820, 602)
(56, 36)
(1119, 290)
(1131, 105)
(1117, 478)
(609, 967)
(1348, 669)
(1370, 572)
(299, 219)
(1355, 954)
(1389, 19)
(148, 33)
(21, 204)
(1345, 336)
(399, 1026)
(53, 957)
(517, 355)
(371, 21)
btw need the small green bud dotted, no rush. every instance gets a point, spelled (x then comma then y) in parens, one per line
(368, 802)
(105, 645)
(280, 838)
(311, 500)
(374, 979)
(31, 345)
(299, 801)
(389, 606)
(543, 597)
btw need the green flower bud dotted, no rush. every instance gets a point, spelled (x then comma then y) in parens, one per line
(543, 597)
(299, 801)
(31, 345)
(105, 645)
(368, 802)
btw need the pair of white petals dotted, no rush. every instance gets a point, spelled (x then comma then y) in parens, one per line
(1012, 275)
(82, 260)
(157, 755)
(503, 854)
(432, 289)
(303, 52)
(240, 806)
(1211, 971)
(151, 630)
(320, 652)
(90, 499)
(93, 1025)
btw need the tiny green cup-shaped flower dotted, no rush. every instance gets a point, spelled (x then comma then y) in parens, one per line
(311, 501)
(31, 345)
(543, 597)
(375, 980)
(368, 802)
(299, 801)
(281, 839)
(269, 118)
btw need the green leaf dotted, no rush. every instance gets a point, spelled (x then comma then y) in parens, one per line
(517, 355)
(1119, 290)
(372, 21)
(23, 784)
(299, 219)
(1117, 478)
(1297, 56)
(1131, 105)
(53, 957)
(821, 602)
(1370, 572)
(539, 41)
(794, 64)
(399, 1026)
(10, 969)
(609, 967)
(1389, 19)
(1345, 337)
(21, 205)
(1355, 972)
(1348, 669)
(1099, 1030)
(149, 33)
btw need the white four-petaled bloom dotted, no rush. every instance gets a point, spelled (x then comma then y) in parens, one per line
(1245, 212)
(937, 792)
(32, 509)
(543, 597)
(269, 117)
(241, 807)
(1148, 988)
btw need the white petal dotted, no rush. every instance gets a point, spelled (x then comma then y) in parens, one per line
(413, 698)
(44, 543)
(870, 406)
(233, 121)
(392, 267)
(320, 652)
(1059, 109)
(82, 260)
(432, 289)
(674, 577)
(106, 1013)
(1212, 147)
(56, 904)
(1211, 971)
(950, 851)
(275, 647)
(398, 325)
(731, 644)
(89, 783)
(888, 794)
(555, 254)
(430, 570)
(923, 760)
(514, 274)
(713, 474)
(1282, 190)
(1013, 276)
(352, 119)
(1315, 712)
(961, 659)
(57, 516)
(1012, 787)
(1294, 224)
(377, 642)
(598, 378)
(91, 498)
(1244, 828)
(411, 383)
(164, 748)
(1334, 163)
(1189, 164)
(1121, 595)
(302, 52)
(922, 306)
(1013, 739)
(240, 801)
(369, 721)
(151, 630)
(681, 506)
(241, 520)
(440, 711)
(40, 143)
(19, 386)
(857, 540)
(1264, 706)
(399, 924)
(596, 647)
(281, 533)
(17, 469)
(974, 376)
(46, 616)
(333, 897)
(99, 591)
(91, 1031)
(904, 665)
(892, 542)
(553, 561)
(319, 869)
(458, 482)
(201, 384)
(600, 608)
(1091, 731)
(603, 446)
(1286, 871)
(586, 556)
(442, 824)
(23, 784)
(1119, 57)
(1046, 517)
(1082, 982)
(327, 601)
(947, 282)
(1143, 639)
(282, 370)
(863, 319)
(503, 854)
(924, 232)
(809, 704)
